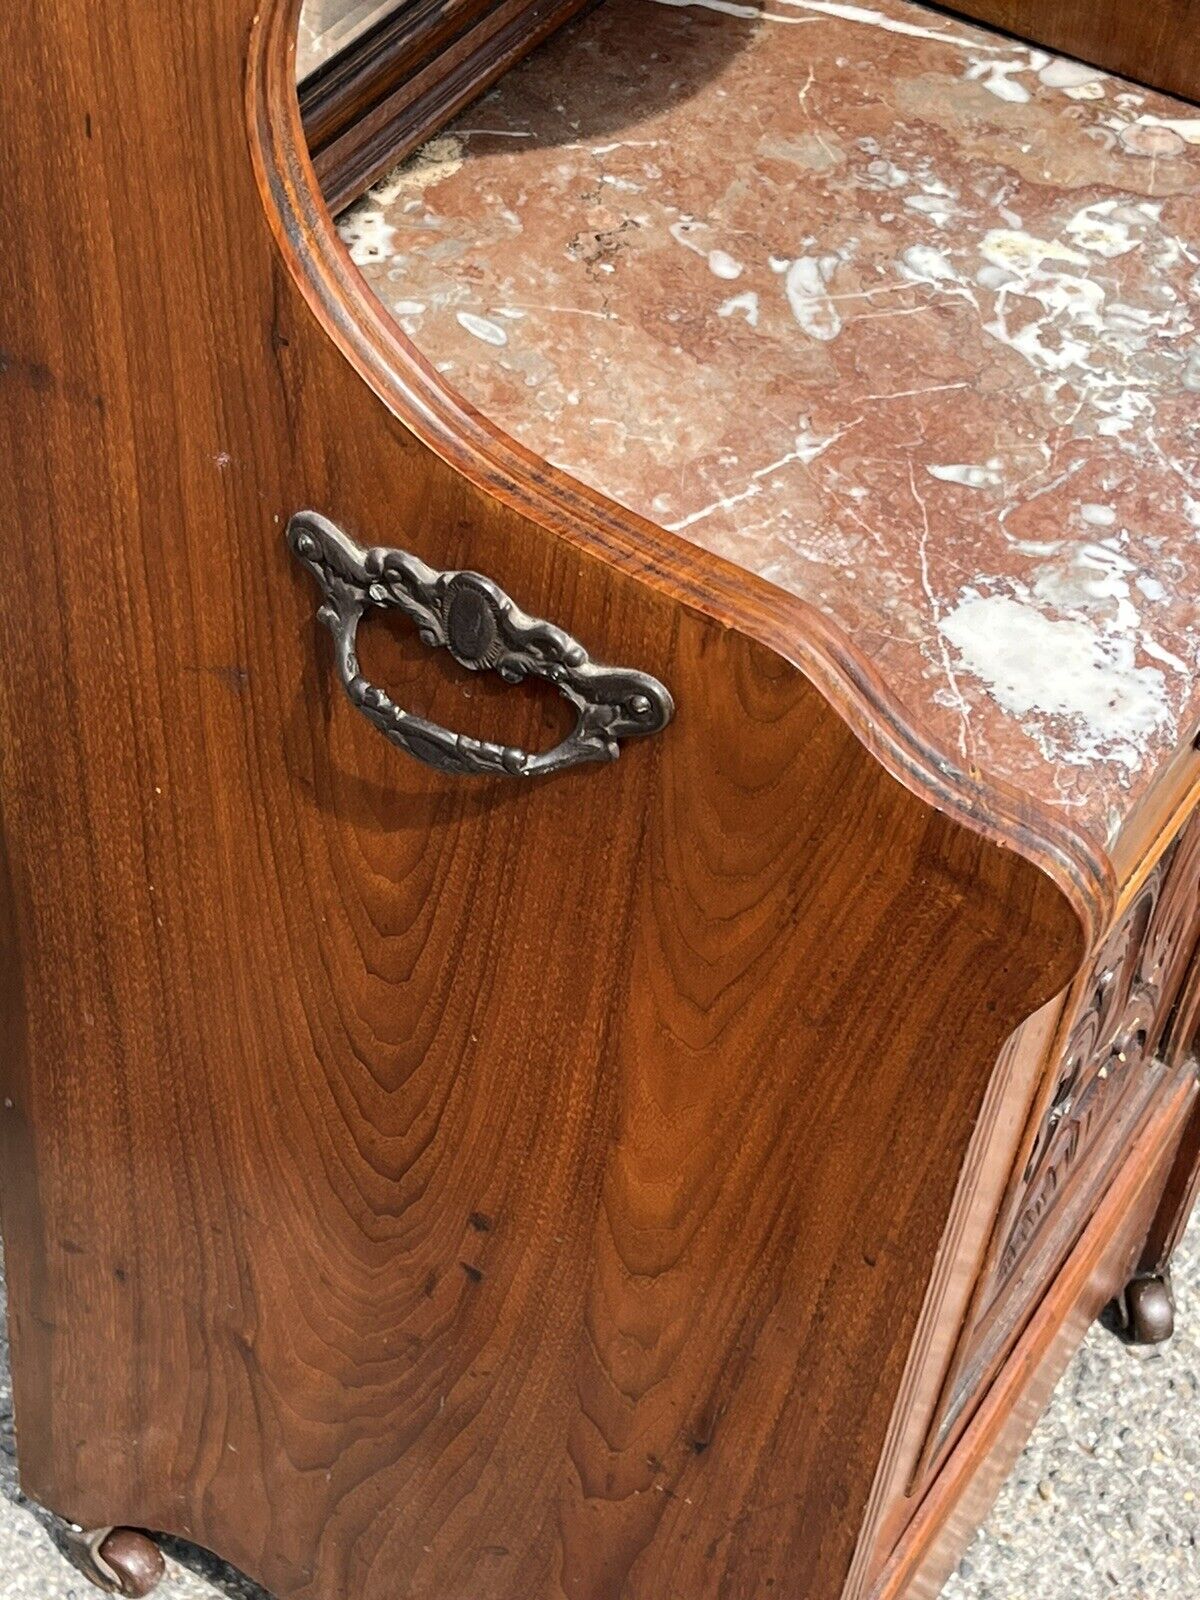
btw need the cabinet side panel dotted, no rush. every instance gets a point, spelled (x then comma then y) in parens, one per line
(417, 1186)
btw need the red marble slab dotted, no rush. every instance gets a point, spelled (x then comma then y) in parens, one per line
(894, 312)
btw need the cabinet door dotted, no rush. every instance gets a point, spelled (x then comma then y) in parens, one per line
(1156, 42)
(1125, 1040)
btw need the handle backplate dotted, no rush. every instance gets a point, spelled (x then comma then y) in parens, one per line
(474, 619)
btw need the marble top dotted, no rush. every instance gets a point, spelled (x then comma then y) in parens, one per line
(892, 311)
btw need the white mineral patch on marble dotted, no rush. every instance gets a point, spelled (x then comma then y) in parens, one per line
(811, 306)
(482, 328)
(887, 174)
(1043, 669)
(1188, 128)
(754, 13)
(1093, 578)
(368, 237)
(1157, 143)
(746, 304)
(1065, 295)
(1098, 516)
(1024, 253)
(937, 208)
(874, 19)
(986, 477)
(921, 263)
(1122, 319)
(1078, 332)
(624, 144)
(997, 78)
(1167, 657)
(995, 278)
(691, 235)
(1054, 355)
(1037, 547)
(722, 265)
(407, 308)
(432, 163)
(1098, 230)
(1059, 73)
(1122, 404)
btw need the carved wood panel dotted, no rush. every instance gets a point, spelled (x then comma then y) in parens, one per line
(1117, 1052)
(1102, 1062)
(1122, 1012)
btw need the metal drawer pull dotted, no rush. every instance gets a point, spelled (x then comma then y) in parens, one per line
(482, 629)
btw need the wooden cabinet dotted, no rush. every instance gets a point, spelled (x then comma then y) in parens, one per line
(600, 874)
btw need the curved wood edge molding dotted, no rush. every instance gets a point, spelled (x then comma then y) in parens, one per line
(415, 394)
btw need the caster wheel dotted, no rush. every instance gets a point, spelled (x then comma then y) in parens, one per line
(1149, 1310)
(118, 1560)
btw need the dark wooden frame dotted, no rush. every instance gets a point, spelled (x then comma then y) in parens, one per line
(390, 89)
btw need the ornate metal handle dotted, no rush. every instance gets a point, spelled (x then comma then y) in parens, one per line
(482, 629)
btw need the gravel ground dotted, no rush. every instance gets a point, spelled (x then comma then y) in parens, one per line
(1104, 1502)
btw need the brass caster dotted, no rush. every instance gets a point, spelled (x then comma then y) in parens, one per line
(1147, 1310)
(118, 1560)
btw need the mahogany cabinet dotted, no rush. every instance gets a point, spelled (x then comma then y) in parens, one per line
(601, 875)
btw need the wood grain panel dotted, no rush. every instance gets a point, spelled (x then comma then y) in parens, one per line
(1155, 42)
(414, 1186)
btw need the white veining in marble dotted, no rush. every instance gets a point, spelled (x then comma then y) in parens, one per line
(1050, 671)
(893, 24)
(902, 316)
